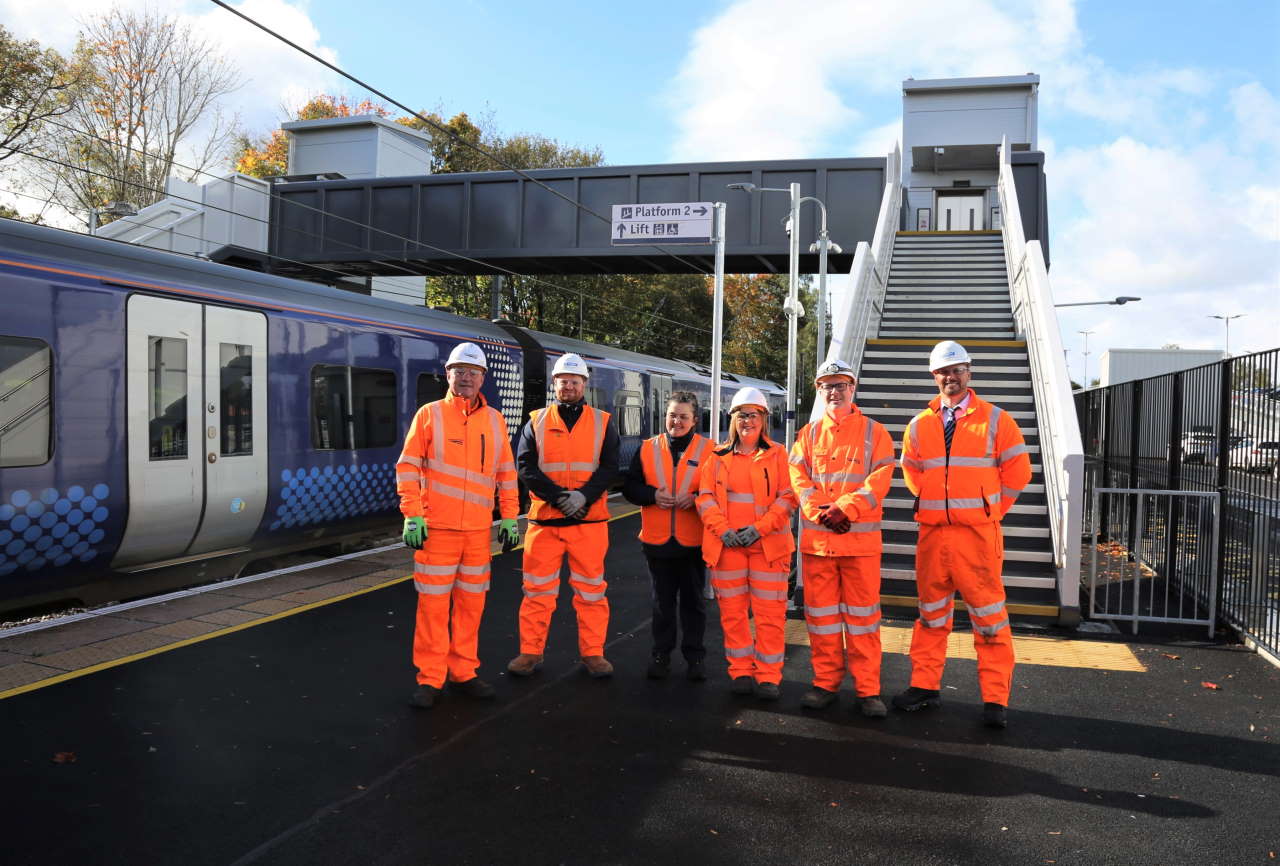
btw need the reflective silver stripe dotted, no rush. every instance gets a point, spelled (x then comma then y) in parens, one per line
(473, 587)
(435, 466)
(583, 467)
(925, 465)
(913, 464)
(507, 466)
(936, 623)
(806, 493)
(861, 629)
(768, 577)
(473, 569)
(834, 628)
(459, 493)
(1010, 493)
(729, 592)
(823, 611)
(770, 658)
(588, 596)
(424, 568)
(528, 594)
(1009, 453)
(438, 434)
(944, 504)
(931, 606)
(412, 461)
(539, 579)
(553, 467)
(701, 506)
(499, 425)
(659, 465)
(434, 588)
(739, 652)
(993, 498)
(598, 443)
(689, 472)
(991, 629)
(853, 527)
(992, 426)
(539, 425)
(911, 442)
(866, 447)
(883, 461)
(733, 574)
(797, 460)
(745, 498)
(409, 477)
(508, 485)
(590, 581)
(769, 594)
(988, 610)
(872, 502)
(839, 477)
(855, 610)
(978, 462)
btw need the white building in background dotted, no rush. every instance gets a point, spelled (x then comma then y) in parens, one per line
(1126, 365)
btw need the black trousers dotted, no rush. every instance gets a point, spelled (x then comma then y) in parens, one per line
(678, 582)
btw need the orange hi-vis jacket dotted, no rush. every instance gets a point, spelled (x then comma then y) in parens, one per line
(455, 456)
(568, 457)
(980, 479)
(847, 464)
(657, 525)
(770, 494)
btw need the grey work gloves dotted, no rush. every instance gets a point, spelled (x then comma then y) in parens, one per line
(573, 503)
(748, 535)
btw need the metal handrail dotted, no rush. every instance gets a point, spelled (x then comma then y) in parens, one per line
(1061, 450)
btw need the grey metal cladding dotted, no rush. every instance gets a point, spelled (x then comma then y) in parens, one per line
(1029, 183)
(388, 225)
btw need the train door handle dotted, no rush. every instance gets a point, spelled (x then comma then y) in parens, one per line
(213, 458)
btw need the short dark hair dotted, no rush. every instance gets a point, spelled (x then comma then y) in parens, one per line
(684, 397)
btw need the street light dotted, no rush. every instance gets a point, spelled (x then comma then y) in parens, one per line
(793, 309)
(1085, 383)
(1119, 302)
(115, 209)
(1226, 320)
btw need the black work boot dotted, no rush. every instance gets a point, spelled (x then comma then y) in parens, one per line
(767, 691)
(659, 666)
(424, 697)
(916, 699)
(817, 698)
(697, 671)
(993, 715)
(474, 688)
(872, 707)
(743, 685)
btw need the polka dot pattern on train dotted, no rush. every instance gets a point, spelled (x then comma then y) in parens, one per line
(504, 372)
(321, 494)
(52, 527)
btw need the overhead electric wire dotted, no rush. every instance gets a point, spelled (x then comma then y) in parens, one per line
(445, 130)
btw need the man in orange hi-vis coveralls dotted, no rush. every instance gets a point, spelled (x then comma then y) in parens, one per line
(841, 466)
(455, 457)
(567, 457)
(966, 462)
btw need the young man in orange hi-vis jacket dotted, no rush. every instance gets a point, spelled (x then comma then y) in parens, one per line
(966, 462)
(567, 457)
(663, 481)
(841, 467)
(456, 456)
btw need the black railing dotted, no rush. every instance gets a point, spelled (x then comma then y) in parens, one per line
(1210, 428)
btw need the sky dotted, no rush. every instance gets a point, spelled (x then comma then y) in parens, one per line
(1160, 121)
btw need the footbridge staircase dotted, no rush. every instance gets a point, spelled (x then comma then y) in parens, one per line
(990, 291)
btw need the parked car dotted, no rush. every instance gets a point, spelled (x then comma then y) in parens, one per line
(1256, 457)
(1197, 443)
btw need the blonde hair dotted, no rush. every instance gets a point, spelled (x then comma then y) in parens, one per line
(732, 442)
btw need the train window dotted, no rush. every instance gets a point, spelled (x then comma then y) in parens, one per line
(235, 363)
(167, 397)
(373, 401)
(352, 407)
(26, 375)
(431, 387)
(628, 411)
(329, 402)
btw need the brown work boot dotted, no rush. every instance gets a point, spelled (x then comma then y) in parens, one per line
(525, 664)
(597, 666)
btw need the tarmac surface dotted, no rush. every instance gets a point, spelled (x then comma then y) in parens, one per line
(290, 741)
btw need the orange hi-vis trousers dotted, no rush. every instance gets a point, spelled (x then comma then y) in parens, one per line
(842, 612)
(545, 548)
(968, 559)
(451, 574)
(747, 583)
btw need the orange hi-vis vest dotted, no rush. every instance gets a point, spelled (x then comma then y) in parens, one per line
(846, 464)
(455, 457)
(657, 525)
(980, 479)
(568, 457)
(770, 494)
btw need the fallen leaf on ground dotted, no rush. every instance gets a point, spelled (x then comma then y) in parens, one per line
(1208, 685)
(64, 757)
(1171, 656)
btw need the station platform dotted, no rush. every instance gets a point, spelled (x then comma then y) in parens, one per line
(267, 722)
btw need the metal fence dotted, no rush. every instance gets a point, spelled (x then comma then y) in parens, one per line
(1212, 429)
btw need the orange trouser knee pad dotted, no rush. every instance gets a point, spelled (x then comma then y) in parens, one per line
(748, 584)
(451, 574)
(968, 560)
(842, 613)
(545, 549)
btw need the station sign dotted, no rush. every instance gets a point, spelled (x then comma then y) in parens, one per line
(687, 222)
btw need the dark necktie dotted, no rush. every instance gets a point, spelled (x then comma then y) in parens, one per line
(948, 429)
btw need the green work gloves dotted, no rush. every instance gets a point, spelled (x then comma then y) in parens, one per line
(415, 532)
(508, 534)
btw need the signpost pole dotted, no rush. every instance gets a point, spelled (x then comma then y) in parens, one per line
(717, 323)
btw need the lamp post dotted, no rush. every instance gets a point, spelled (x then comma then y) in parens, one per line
(1226, 320)
(793, 308)
(1085, 383)
(1119, 302)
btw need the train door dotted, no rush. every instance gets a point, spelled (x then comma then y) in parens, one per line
(196, 383)
(660, 392)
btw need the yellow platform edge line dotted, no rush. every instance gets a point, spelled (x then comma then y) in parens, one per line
(123, 660)
(884, 341)
(1049, 610)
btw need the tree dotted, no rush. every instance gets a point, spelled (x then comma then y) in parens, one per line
(35, 85)
(450, 150)
(756, 330)
(149, 110)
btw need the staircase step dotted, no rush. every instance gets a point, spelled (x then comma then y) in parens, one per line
(1015, 531)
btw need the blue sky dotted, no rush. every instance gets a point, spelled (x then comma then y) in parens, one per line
(1159, 121)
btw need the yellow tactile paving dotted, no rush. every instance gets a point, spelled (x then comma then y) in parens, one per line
(1030, 649)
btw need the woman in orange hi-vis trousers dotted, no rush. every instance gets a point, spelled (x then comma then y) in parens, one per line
(456, 456)
(746, 504)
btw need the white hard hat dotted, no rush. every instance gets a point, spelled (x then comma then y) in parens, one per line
(945, 354)
(570, 363)
(467, 353)
(749, 396)
(835, 368)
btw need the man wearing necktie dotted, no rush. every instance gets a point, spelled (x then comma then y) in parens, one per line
(966, 462)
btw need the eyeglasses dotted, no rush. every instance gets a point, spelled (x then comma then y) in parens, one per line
(951, 371)
(834, 386)
(465, 372)
(750, 416)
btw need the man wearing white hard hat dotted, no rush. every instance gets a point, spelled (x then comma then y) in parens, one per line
(567, 457)
(745, 502)
(841, 467)
(456, 456)
(966, 462)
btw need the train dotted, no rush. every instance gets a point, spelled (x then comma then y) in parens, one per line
(165, 420)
